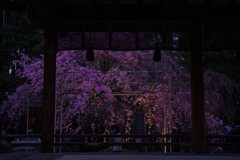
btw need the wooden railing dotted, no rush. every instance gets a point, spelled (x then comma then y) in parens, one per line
(177, 140)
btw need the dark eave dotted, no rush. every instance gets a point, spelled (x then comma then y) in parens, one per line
(147, 13)
(75, 15)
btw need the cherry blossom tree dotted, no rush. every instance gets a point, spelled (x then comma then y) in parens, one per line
(119, 83)
(173, 108)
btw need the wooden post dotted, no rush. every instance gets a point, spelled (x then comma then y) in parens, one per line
(42, 13)
(197, 89)
(48, 112)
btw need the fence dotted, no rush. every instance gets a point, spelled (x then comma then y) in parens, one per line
(221, 143)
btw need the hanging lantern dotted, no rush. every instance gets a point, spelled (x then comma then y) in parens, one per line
(90, 54)
(157, 55)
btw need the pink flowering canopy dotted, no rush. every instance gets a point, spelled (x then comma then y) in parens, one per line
(117, 85)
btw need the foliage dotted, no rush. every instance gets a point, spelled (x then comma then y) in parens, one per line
(90, 92)
(223, 63)
(17, 36)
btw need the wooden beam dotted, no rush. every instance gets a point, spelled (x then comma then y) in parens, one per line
(162, 3)
(116, 2)
(94, 2)
(123, 26)
(139, 2)
(110, 36)
(48, 93)
(185, 2)
(208, 2)
(44, 16)
(147, 13)
(197, 89)
(232, 2)
(43, 13)
(83, 36)
(137, 37)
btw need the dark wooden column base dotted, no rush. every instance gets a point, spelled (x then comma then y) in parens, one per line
(197, 89)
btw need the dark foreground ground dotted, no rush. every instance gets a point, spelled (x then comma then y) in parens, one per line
(116, 156)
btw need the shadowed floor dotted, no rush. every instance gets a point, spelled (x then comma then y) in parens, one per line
(115, 156)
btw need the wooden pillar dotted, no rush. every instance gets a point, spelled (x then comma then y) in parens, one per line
(197, 89)
(48, 111)
(41, 13)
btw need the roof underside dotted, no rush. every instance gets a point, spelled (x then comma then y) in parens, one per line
(132, 20)
(75, 11)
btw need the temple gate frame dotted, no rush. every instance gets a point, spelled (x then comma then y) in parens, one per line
(54, 16)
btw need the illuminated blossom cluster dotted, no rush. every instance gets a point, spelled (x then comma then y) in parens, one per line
(118, 84)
